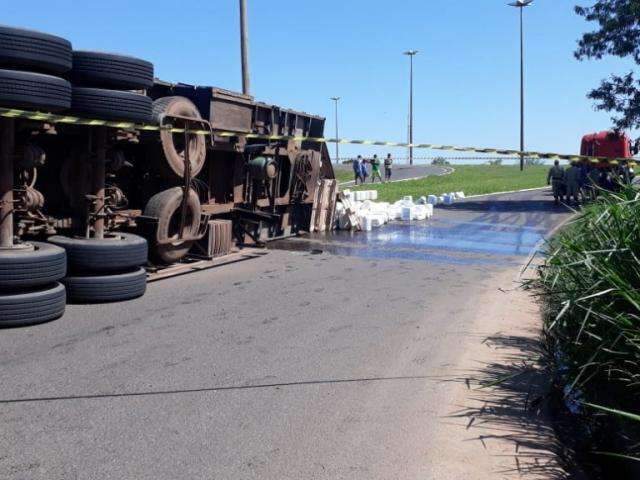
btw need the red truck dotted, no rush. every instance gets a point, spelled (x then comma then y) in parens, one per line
(608, 144)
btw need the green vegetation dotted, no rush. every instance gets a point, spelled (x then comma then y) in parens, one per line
(616, 34)
(343, 174)
(590, 285)
(440, 161)
(471, 179)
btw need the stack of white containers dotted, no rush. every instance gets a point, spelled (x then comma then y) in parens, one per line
(363, 195)
(372, 214)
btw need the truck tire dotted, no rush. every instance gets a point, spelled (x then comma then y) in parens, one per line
(34, 91)
(43, 265)
(32, 307)
(165, 206)
(108, 70)
(172, 144)
(106, 288)
(118, 252)
(34, 51)
(111, 104)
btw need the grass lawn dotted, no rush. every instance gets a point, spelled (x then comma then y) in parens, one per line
(471, 179)
(343, 173)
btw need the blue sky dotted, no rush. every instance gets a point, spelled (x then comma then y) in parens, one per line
(302, 53)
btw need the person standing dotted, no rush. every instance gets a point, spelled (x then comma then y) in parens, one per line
(388, 164)
(625, 173)
(572, 180)
(583, 182)
(363, 170)
(357, 170)
(555, 178)
(593, 180)
(375, 169)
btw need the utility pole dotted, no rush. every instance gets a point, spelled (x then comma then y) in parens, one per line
(521, 4)
(411, 54)
(336, 99)
(244, 48)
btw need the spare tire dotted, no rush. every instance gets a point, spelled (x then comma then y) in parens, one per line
(32, 307)
(118, 251)
(34, 91)
(109, 70)
(165, 206)
(111, 104)
(172, 144)
(106, 288)
(24, 268)
(36, 51)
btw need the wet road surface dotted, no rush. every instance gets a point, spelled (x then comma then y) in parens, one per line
(299, 364)
(471, 232)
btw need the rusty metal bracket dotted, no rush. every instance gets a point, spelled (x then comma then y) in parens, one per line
(190, 124)
(186, 187)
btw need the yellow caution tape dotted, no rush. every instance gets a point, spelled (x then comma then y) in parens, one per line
(73, 120)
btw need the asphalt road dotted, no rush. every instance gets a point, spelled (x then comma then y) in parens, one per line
(405, 172)
(322, 359)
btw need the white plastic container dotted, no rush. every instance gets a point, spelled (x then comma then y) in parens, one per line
(420, 212)
(366, 222)
(378, 220)
(407, 214)
(429, 210)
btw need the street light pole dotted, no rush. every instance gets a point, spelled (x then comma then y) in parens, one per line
(411, 54)
(244, 48)
(336, 99)
(520, 4)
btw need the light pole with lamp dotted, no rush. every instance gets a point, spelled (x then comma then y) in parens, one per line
(521, 4)
(336, 99)
(411, 54)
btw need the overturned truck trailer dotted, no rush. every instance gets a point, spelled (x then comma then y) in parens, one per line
(266, 187)
(105, 170)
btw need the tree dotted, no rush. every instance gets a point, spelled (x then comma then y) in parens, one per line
(618, 35)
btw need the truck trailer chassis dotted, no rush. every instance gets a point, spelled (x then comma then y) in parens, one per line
(92, 193)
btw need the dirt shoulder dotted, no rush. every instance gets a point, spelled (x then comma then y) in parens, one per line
(495, 425)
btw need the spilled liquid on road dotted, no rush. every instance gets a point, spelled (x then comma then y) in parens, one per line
(497, 230)
(437, 240)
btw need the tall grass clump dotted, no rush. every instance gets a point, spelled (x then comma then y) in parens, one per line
(590, 288)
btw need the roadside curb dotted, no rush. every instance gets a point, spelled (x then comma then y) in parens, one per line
(509, 191)
(537, 248)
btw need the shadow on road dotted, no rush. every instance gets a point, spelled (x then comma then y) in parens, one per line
(538, 212)
(506, 205)
(509, 408)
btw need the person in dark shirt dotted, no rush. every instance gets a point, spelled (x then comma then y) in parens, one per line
(357, 169)
(555, 178)
(388, 165)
